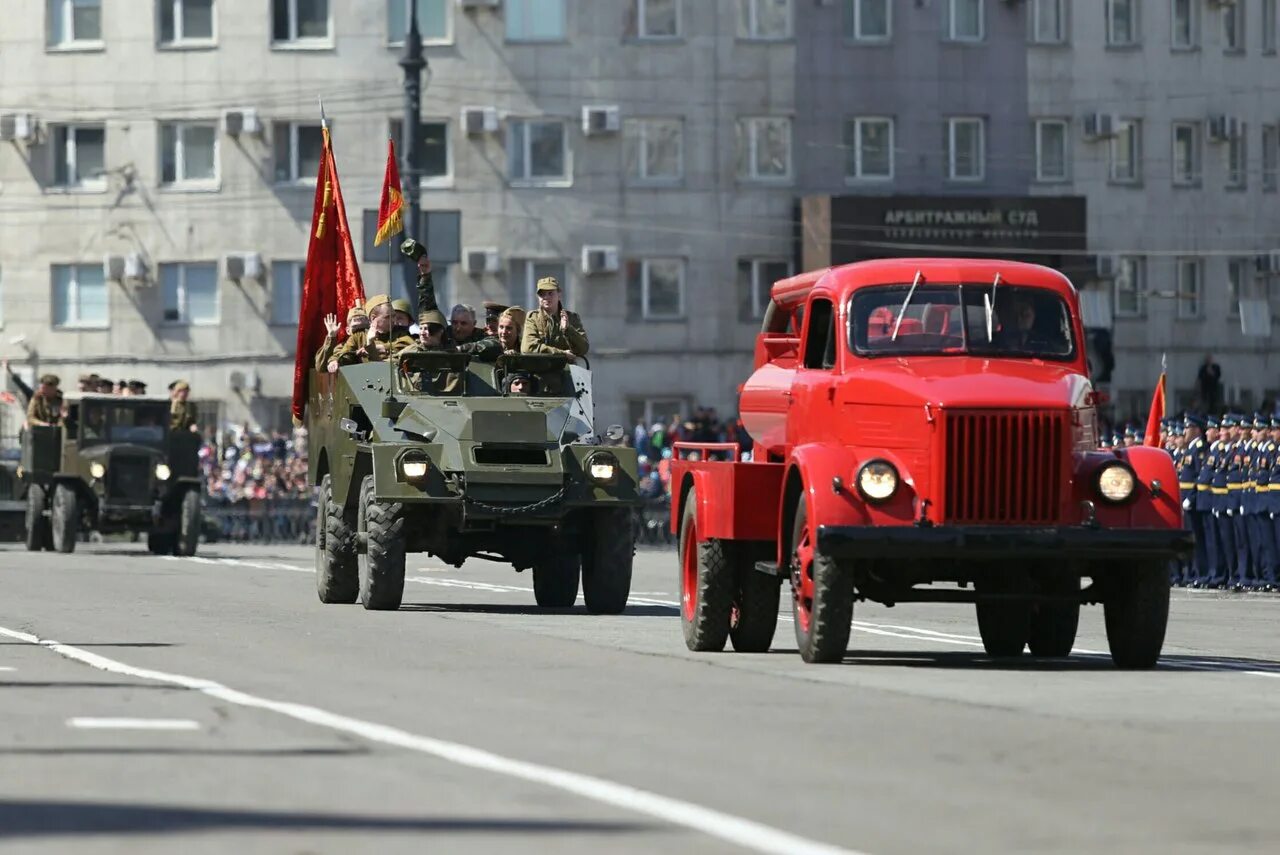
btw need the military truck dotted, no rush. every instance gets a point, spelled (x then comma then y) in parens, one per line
(114, 466)
(425, 453)
(13, 508)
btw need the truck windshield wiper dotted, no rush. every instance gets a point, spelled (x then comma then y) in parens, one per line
(988, 303)
(905, 303)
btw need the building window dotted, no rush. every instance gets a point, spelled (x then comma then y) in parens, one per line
(1049, 22)
(1051, 150)
(1238, 269)
(298, 149)
(964, 145)
(657, 19)
(1268, 26)
(1122, 23)
(79, 157)
(1185, 22)
(537, 151)
(1186, 153)
(1190, 287)
(535, 20)
(655, 289)
(1270, 157)
(74, 22)
(964, 20)
(764, 19)
(755, 282)
(764, 149)
(434, 21)
(868, 20)
(79, 296)
(188, 153)
(525, 274)
(300, 22)
(654, 149)
(436, 155)
(1130, 295)
(286, 293)
(1126, 152)
(1233, 26)
(190, 293)
(1238, 159)
(185, 21)
(868, 148)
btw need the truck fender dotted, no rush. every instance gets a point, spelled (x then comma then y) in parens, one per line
(812, 471)
(700, 482)
(1158, 504)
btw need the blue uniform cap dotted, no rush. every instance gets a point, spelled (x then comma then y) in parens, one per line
(1212, 421)
(1259, 421)
(1198, 421)
(1177, 429)
(1105, 442)
(1275, 421)
(1117, 438)
(1230, 420)
(1130, 430)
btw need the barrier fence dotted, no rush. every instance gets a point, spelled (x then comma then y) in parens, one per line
(260, 521)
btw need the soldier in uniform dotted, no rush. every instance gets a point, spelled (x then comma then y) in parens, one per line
(1188, 461)
(1130, 436)
(136, 387)
(182, 413)
(1104, 442)
(378, 343)
(1272, 503)
(506, 340)
(45, 406)
(551, 328)
(357, 321)
(431, 337)
(520, 384)
(1237, 476)
(1221, 504)
(1204, 504)
(105, 386)
(462, 322)
(401, 317)
(88, 382)
(492, 314)
(1261, 534)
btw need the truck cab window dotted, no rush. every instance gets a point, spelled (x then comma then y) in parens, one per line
(820, 346)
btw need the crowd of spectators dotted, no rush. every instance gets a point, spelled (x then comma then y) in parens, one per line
(655, 445)
(242, 464)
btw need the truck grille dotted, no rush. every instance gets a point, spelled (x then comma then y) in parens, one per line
(1003, 468)
(129, 478)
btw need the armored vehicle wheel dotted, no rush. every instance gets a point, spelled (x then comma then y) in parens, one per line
(1136, 610)
(555, 578)
(188, 538)
(337, 568)
(382, 562)
(706, 584)
(821, 594)
(65, 519)
(606, 561)
(1054, 625)
(37, 522)
(753, 619)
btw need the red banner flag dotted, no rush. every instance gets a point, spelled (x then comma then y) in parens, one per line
(1156, 415)
(331, 281)
(391, 202)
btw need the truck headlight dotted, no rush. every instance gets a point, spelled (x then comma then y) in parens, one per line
(877, 481)
(1116, 483)
(162, 472)
(414, 468)
(97, 470)
(602, 467)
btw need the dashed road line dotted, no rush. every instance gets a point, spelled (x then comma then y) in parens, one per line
(89, 723)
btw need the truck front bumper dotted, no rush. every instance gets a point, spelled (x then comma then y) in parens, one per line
(963, 542)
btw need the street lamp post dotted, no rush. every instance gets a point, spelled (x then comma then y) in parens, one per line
(413, 63)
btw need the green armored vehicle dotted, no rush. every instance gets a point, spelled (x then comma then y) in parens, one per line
(426, 454)
(114, 466)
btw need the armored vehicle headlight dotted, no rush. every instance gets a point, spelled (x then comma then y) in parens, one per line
(877, 480)
(97, 470)
(1116, 482)
(162, 472)
(602, 467)
(414, 467)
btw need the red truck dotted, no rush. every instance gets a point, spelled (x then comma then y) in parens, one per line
(925, 431)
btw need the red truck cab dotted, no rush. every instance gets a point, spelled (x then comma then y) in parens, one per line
(925, 430)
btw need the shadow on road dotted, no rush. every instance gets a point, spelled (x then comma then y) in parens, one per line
(1076, 662)
(498, 609)
(56, 818)
(169, 751)
(79, 684)
(97, 644)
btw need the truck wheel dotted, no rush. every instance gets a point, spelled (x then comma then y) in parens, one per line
(706, 585)
(606, 561)
(161, 542)
(821, 595)
(1054, 625)
(66, 518)
(753, 619)
(555, 577)
(1136, 610)
(188, 536)
(37, 522)
(1004, 627)
(382, 562)
(337, 569)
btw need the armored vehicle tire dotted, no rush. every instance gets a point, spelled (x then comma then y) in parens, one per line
(706, 584)
(188, 537)
(337, 566)
(37, 522)
(606, 561)
(753, 619)
(821, 595)
(382, 562)
(1136, 610)
(555, 578)
(1054, 625)
(65, 518)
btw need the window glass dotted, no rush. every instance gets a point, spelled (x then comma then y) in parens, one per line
(286, 292)
(534, 20)
(654, 148)
(658, 18)
(433, 20)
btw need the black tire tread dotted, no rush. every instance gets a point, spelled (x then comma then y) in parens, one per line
(607, 561)
(337, 565)
(708, 631)
(382, 584)
(555, 578)
(757, 609)
(187, 540)
(65, 518)
(831, 619)
(37, 524)
(1136, 612)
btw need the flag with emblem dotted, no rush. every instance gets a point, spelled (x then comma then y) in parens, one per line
(391, 203)
(1156, 415)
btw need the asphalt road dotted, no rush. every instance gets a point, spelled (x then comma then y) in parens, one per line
(213, 704)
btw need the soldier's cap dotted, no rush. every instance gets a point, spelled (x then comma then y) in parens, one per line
(1259, 421)
(1212, 421)
(356, 312)
(1275, 421)
(1193, 420)
(493, 309)
(1130, 430)
(401, 305)
(122, 382)
(375, 301)
(515, 313)
(50, 379)
(137, 385)
(87, 378)
(1105, 442)
(105, 385)
(547, 283)
(511, 378)
(1176, 429)
(179, 386)
(434, 316)
(1230, 420)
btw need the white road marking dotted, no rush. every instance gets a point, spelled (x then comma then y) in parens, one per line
(7, 668)
(734, 829)
(86, 723)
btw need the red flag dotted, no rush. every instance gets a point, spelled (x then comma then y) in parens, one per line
(331, 281)
(1156, 415)
(391, 202)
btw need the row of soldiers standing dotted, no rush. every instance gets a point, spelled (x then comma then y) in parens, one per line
(1229, 483)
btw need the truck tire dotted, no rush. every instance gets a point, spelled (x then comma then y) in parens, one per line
(65, 518)
(37, 521)
(1054, 625)
(606, 561)
(161, 542)
(1005, 628)
(337, 566)
(187, 539)
(821, 595)
(753, 618)
(382, 562)
(555, 577)
(1136, 610)
(706, 585)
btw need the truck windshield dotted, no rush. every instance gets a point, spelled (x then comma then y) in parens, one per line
(138, 424)
(953, 319)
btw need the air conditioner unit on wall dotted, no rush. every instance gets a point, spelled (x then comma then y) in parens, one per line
(599, 259)
(1268, 263)
(241, 121)
(1221, 128)
(600, 120)
(1098, 126)
(17, 127)
(478, 260)
(244, 265)
(119, 268)
(480, 120)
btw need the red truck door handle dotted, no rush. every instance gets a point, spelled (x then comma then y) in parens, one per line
(831, 394)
